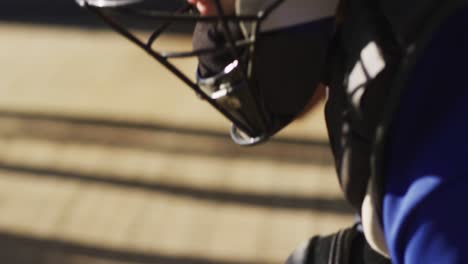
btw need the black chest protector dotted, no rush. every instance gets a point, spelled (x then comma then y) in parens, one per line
(376, 46)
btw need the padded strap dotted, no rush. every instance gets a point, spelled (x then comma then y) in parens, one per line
(348, 246)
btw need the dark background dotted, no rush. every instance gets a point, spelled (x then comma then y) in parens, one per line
(62, 12)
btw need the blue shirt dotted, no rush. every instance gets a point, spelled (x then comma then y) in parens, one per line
(425, 206)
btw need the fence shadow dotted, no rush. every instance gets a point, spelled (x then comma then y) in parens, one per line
(272, 201)
(19, 249)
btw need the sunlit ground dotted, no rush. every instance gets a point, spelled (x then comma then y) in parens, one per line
(161, 183)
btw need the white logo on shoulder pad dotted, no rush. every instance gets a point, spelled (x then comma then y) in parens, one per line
(370, 64)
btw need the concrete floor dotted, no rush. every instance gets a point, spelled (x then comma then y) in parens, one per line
(176, 190)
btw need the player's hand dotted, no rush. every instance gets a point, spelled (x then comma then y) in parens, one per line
(208, 8)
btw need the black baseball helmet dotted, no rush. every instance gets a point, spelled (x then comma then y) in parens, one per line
(273, 65)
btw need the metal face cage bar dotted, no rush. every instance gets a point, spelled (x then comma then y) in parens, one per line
(184, 14)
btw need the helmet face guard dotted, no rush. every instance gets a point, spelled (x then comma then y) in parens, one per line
(232, 92)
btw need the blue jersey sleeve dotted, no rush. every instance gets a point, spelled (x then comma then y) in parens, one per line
(425, 205)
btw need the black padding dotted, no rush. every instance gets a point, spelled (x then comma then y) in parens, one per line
(289, 64)
(347, 246)
(211, 35)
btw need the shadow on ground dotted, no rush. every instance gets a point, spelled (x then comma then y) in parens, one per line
(20, 248)
(17, 249)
